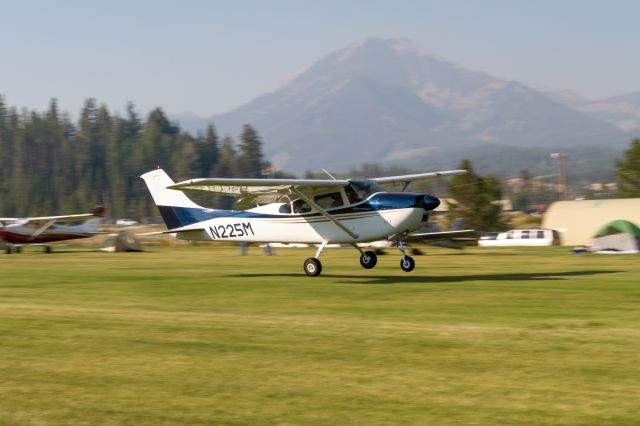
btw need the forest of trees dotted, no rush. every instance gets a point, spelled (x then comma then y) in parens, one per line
(50, 164)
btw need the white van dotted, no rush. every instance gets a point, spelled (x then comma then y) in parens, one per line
(522, 237)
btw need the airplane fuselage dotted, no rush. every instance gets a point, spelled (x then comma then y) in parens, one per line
(382, 216)
(18, 234)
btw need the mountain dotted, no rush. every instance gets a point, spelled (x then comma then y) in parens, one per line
(621, 111)
(391, 100)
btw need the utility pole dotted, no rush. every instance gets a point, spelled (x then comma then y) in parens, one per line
(562, 175)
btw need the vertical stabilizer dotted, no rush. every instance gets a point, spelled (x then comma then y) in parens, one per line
(157, 182)
(175, 207)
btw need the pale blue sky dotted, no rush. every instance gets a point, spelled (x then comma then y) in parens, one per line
(210, 56)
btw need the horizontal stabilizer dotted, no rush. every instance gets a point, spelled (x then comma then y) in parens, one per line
(443, 235)
(173, 231)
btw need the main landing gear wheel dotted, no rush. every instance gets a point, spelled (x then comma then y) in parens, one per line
(8, 250)
(312, 267)
(368, 259)
(407, 263)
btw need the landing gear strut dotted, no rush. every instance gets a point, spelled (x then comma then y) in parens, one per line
(407, 263)
(313, 266)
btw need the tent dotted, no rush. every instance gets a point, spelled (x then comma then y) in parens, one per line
(123, 241)
(618, 236)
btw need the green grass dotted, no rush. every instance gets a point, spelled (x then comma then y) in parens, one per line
(203, 336)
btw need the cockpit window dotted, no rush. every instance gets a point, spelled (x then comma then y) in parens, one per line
(352, 195)
(327, 201)
(301, 206)
(285, 208)
(364, 188)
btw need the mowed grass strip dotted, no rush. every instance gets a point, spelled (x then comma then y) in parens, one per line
(201, 335)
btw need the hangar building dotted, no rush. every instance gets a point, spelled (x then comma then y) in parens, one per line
(578, 221)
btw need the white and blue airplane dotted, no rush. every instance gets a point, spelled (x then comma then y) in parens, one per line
(311, 211)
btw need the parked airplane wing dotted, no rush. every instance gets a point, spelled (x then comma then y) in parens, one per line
(234, 186)
(420, 176)
(98, 212)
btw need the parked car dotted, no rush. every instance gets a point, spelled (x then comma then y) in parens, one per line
(126, 222)
(522, 237)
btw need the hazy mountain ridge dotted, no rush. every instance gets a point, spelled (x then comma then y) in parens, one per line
(384, 100)
(621, 111)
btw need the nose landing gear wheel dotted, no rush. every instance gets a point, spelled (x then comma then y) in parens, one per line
(312, 267)
(407, 263)
(368, 259)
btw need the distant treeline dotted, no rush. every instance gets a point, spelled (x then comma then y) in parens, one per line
(50, 164)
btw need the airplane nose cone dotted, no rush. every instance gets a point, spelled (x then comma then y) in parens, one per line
(429, 202)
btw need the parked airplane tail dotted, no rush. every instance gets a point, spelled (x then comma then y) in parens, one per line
(91, 225)
(170, 202)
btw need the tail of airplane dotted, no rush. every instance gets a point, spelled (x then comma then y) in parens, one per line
(91, 225)
(173, 205)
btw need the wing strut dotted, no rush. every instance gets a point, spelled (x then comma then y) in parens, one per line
(324, 212)
(41, 230)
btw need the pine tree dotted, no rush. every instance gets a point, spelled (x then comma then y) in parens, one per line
(251, 159)
(227, 167)
(208, 152)
(628, 172)
(17, 183)
(475, 200)
(228, 162)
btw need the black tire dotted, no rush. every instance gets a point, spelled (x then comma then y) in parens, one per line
(312, 267)
(368, 260)
(8, 250)
(48, 249)
(18, 249)
(407, 263)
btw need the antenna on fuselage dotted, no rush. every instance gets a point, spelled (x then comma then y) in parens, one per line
(330, 175)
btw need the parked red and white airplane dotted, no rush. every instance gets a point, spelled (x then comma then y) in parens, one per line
(312, 211)
(42, 230)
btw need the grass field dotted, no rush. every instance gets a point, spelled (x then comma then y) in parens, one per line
(200, 335)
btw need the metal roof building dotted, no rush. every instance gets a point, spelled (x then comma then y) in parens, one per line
(578, 221)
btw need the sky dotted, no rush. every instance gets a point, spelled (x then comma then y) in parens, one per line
(208, 57)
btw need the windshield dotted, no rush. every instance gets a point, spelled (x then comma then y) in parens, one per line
(364, 188)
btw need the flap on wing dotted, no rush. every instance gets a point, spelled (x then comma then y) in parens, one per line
(415, 177)
(234, 186)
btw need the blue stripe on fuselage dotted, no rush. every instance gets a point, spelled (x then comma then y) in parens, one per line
(176, 217)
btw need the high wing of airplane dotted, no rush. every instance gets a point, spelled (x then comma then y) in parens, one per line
(311, 211)
(45, 229)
